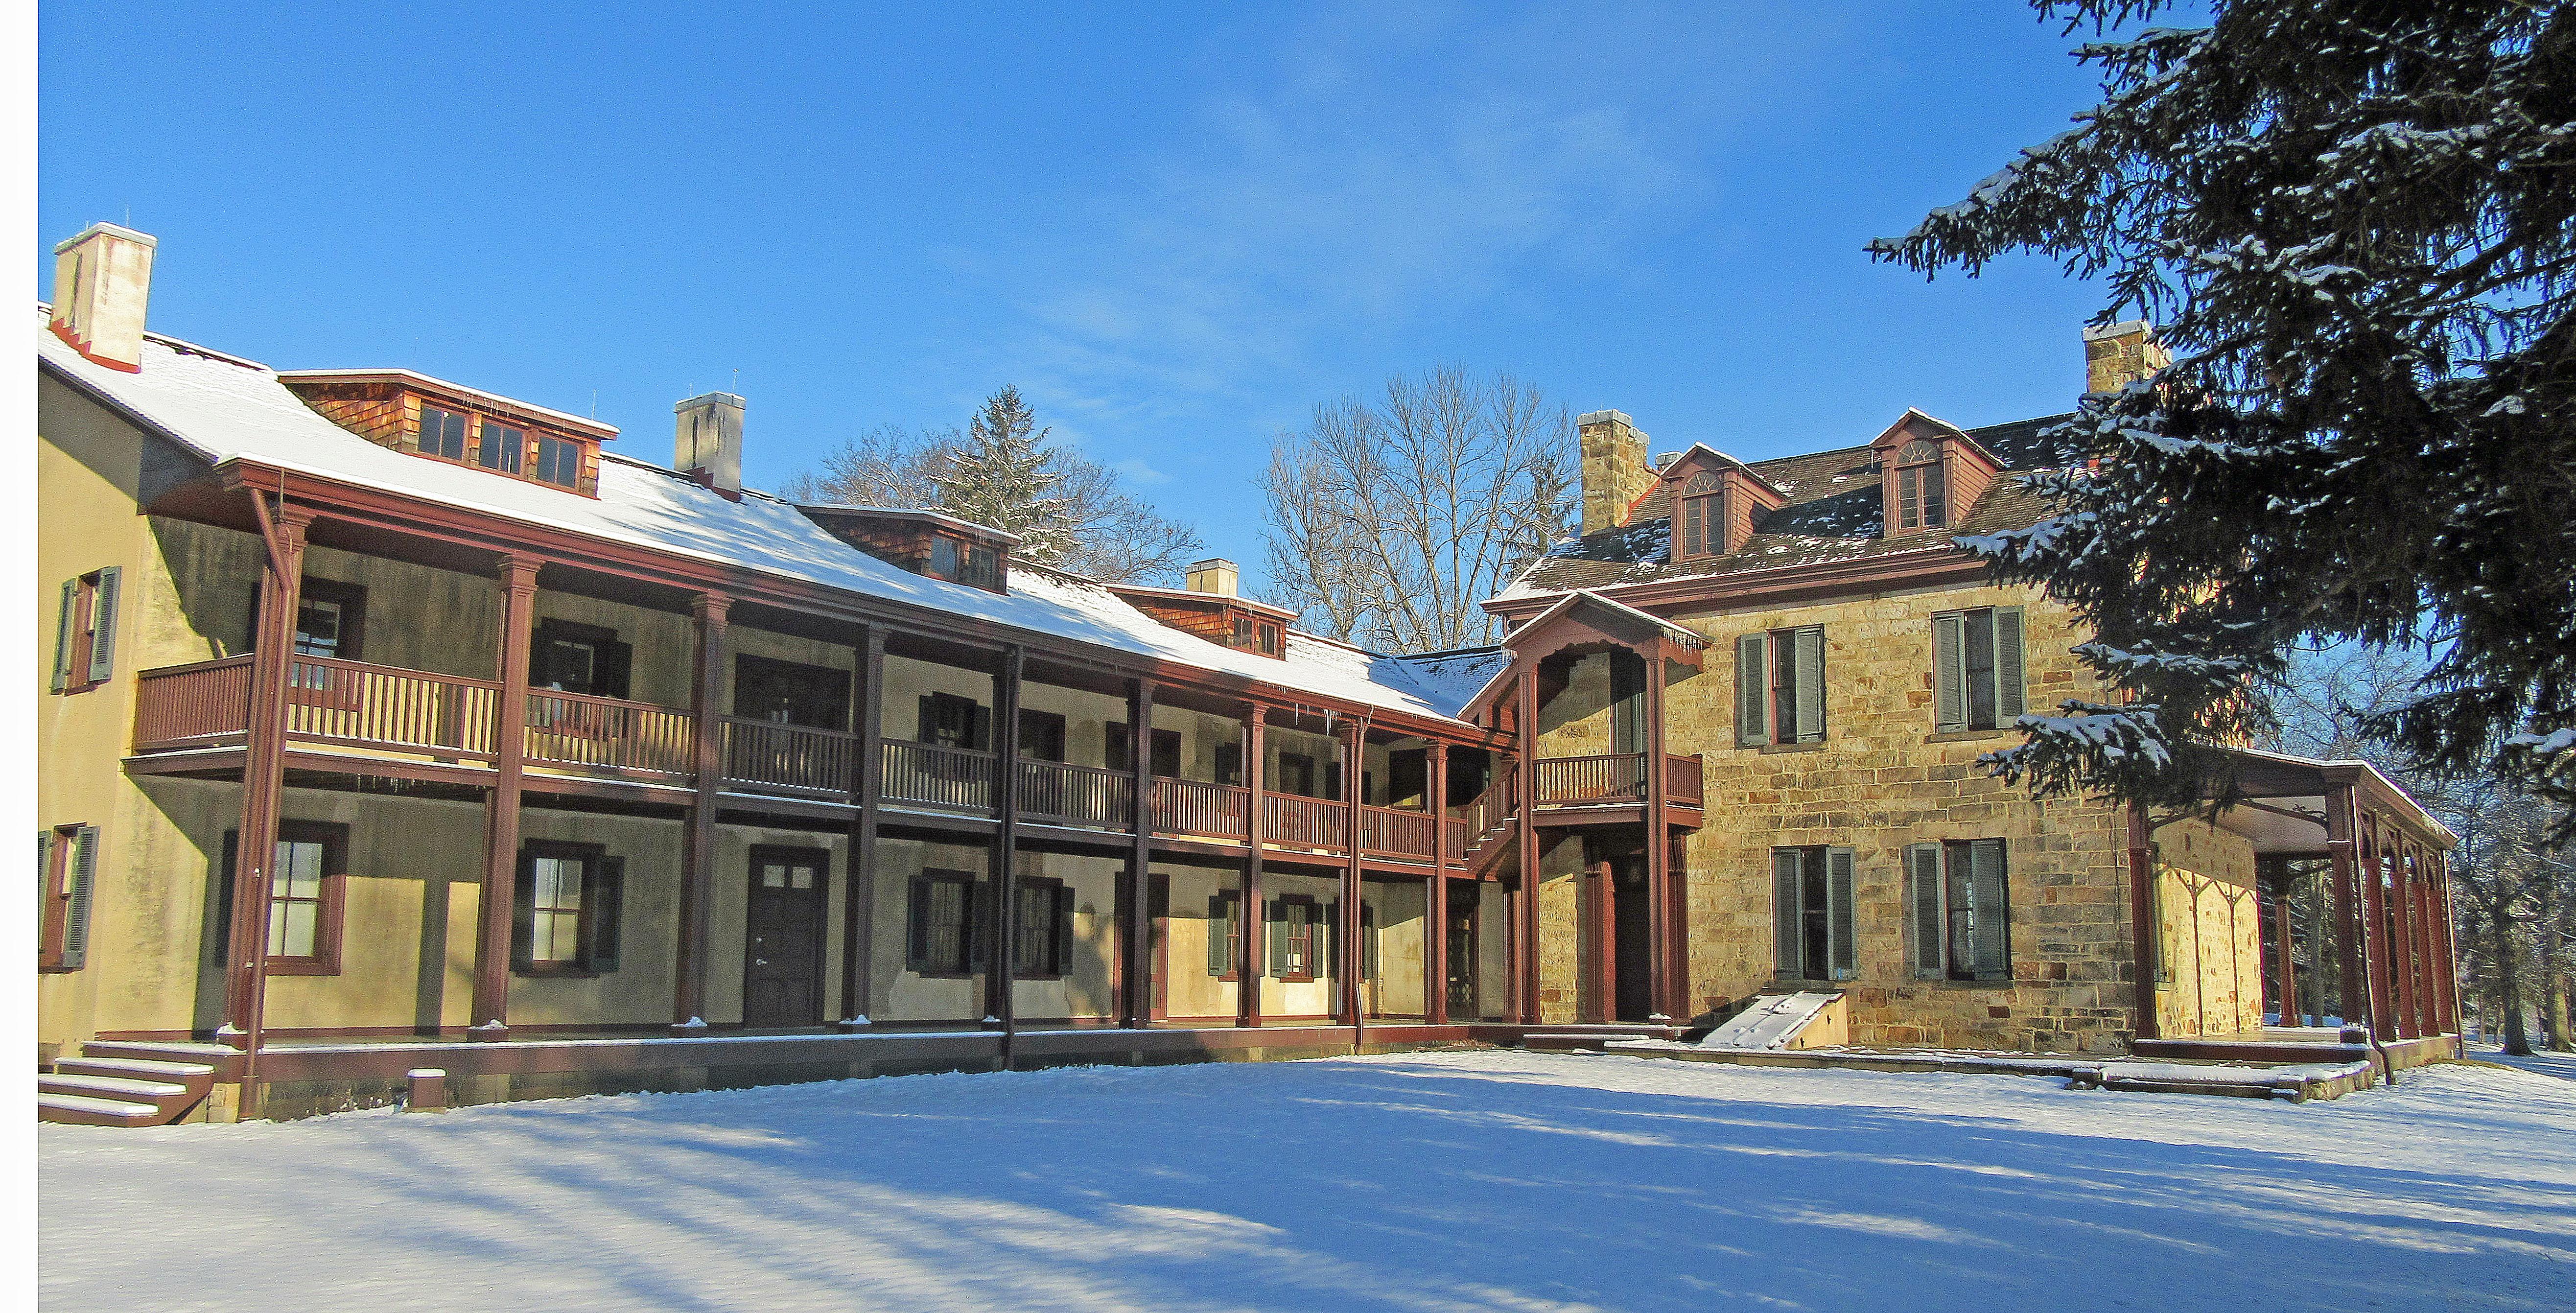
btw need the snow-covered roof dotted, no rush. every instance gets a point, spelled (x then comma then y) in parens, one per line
(228, 409)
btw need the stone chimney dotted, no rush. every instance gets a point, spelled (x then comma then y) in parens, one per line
(102, 280)
(708, 445)
(1215, 576)
(2120, 354)
(1614, 468)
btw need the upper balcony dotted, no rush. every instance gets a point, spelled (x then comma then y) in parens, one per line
(397, 721)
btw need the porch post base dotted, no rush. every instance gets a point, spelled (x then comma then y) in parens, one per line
(689, 1029)
(853, 1025)
(490, 1032)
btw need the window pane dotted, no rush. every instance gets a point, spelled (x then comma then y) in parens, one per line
(558, 461)
(301, 920)
(801, 877)
(1935, 510)
(317, 628)
(503, 447)
(442, 433)
(1907, 514)
(1979, 641)
(773, 877)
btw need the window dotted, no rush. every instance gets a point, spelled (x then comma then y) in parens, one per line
(790, 693)
(85, 631)
(1811, 914)
(442, 433)
(1243, 631)
(1296, 775)
(306, 879)
(1042, 938)
(1960, 923)
(1702, 522)
(983, 569)
(502, 447)
(946, 924)
(558, 461)
(66, 869)
(1229, 764)
(1167, 751)
(1780, 687)
(1300, 938)
(1976, 668)
(566, 917)
(1921, 487)
(1224, 934)
(1369, 956)
(330, 619)
(578, 658)
(1041, 735)
(1270, 636)
(949, 720)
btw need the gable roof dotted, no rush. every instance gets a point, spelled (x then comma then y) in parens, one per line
(226, 409)
(1833, 512)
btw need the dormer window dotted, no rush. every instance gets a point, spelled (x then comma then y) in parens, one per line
(500, 447)
(442, 433)
(444, 421)
(1922, 490)
(1702, 518)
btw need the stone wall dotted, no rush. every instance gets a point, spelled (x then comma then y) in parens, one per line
(1883, 779)
(2209, 933)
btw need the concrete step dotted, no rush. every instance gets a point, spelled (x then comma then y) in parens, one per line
(136, 1069)
(111, 1087)
(82, 1110)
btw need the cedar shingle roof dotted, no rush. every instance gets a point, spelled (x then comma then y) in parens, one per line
(1833, 513)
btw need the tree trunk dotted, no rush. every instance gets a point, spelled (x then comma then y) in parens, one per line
(2508, 982)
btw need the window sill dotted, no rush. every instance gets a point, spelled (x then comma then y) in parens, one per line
(942, 975)
(302, 966)
(1817, 746)
(1018, 976)
(1967, 735)
(1946, 982)
(543, 971)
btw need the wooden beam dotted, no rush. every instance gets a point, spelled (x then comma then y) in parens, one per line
(1659, 919)
(263, 780)
(1347, 970)
(698, 850)
(1247, 909)
(501, 827)
(2349, 916)
(1525, 1009)
(859, 904)
(1004, 863)
(1135, 930)
(2142, 924)
(1435, 916)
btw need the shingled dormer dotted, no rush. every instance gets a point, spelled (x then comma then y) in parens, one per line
(1212, 609)
(1931, 473)
(1715, 499)
(927, 543)
(439, 420)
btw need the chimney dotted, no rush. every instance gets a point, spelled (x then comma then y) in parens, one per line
(1614, 468)
(2120, 354)
(102, 279)
(708, 445)
(1215, 576)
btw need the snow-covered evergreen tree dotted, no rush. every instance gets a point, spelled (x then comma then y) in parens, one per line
(1000, 477)
(2356, 224)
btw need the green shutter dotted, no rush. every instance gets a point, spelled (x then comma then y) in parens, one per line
(1752, 690)
(1811, 685)
(1220, 922)
(1994, 919)
(916, 939)
(84, 873)
(1369, 948)
(1843, 950)
(1275, 918)
(63, 635)
(603, 906)
(1949, 708)
(1923, 875)
(102, 624)
(1326, 941)
(2009, 698)
(523, 913)
(1784, 913)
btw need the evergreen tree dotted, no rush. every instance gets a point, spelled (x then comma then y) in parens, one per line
(1001, 477)
(2356, 223)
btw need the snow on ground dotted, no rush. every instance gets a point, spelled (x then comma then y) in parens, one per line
(2541, 1060)
(1485, 1180)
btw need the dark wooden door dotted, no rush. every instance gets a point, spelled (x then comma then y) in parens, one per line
(1463, 964)
(1158, 911)
(1632, 955)
(782, 965)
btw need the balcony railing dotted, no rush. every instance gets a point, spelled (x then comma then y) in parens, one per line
(1078, 795)
(935, 776)
(1198, 808)
(1682, 779)
(609, 734)
(452, 718)
(764, 756)
(1612, 778)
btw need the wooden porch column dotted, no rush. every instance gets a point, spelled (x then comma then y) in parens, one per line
(2397, 891)
(1435, 903)
(2142, 923)
(281, 584)
(2349, 928)
(1659, 908)
(867, 773)
(1347, 932)
(1249, 952)
(1004, 863)
(1135, 927)
(2285, 933)
(2374, 928)
(698, 857)
(2450, 943)
(1601, 992)
(501, 827)
(1525, 905)
(2428, 939)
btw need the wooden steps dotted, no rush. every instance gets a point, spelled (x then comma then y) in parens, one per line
(129, 1084)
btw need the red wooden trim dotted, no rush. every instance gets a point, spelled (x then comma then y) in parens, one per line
(1249, 951)
(2142, 924)
(858, 905)
(501, 823)
(1435, 933)
(263, 775)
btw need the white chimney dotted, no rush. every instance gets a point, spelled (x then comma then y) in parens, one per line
(1215, 575)
(708, 444)
(102, 279)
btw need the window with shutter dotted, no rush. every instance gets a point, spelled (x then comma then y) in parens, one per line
(1841, 933)
(66, 870)
(607, 914)
(944, 939)
(1815, 930)
(66, 626)
(1224, 949)
(1977, 668)
(1275, 921)
(84, 877)
(1786, 958)
(1038, 936)
(102, 624)
(1780, 687)
(1752, 690)
(1923, 897)
(2009, 694)
(1811, 685)
(1369, 958)
(1978, 937)
(1949, 697)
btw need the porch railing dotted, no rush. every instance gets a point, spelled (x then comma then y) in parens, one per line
(764, 756)
(1198, 808)
(1395, 832)
(1078, 795)
(937, 776)
(1682, 779)
(1580, 781)
(1296, 822)
(608, 734)
(198, 705)
(329, 700)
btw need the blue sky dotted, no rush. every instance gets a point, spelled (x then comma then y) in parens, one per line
(1176, 229)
